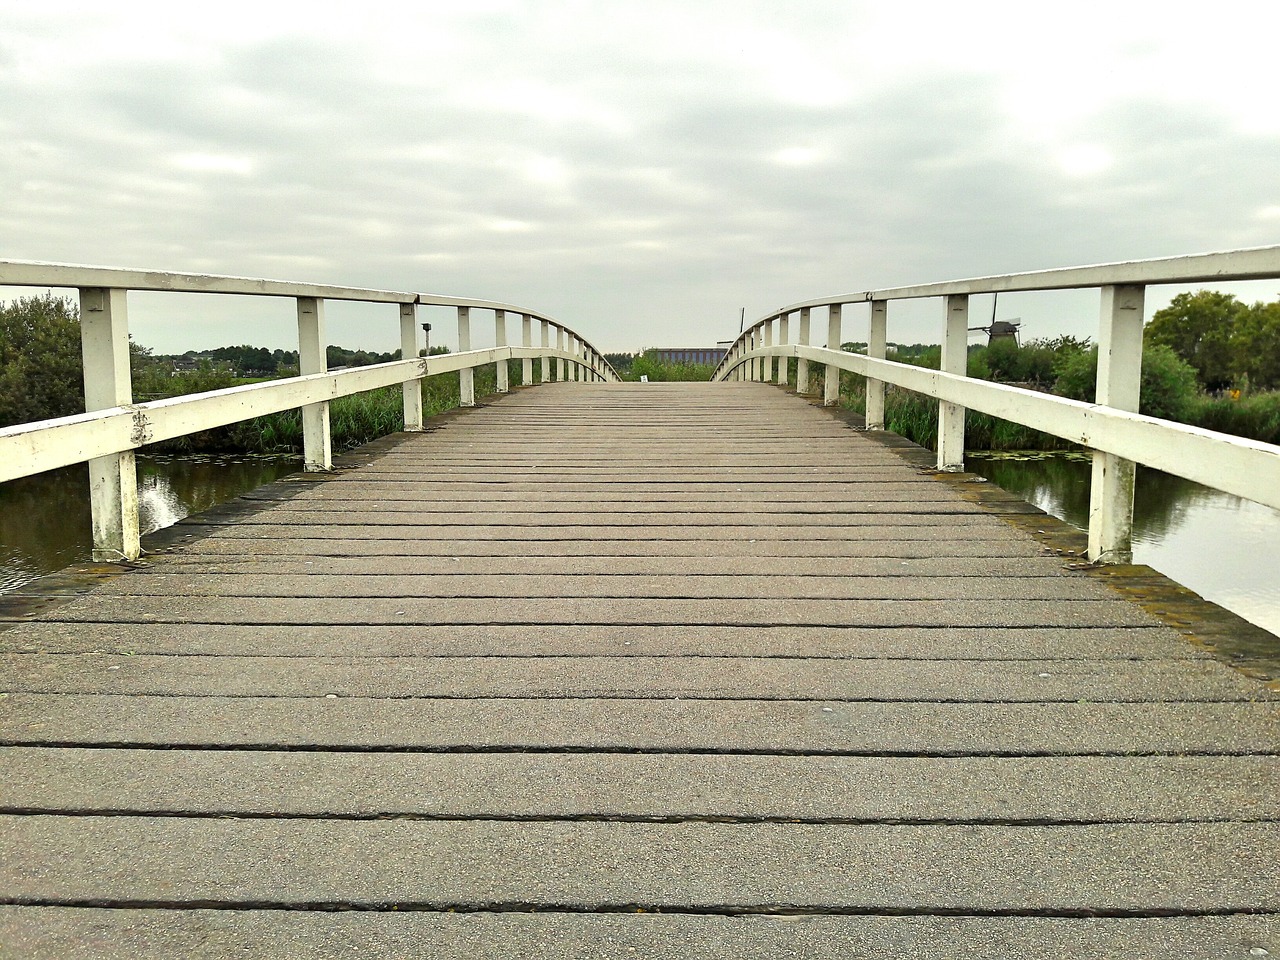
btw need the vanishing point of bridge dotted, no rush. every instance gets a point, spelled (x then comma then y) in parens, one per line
(601, 669)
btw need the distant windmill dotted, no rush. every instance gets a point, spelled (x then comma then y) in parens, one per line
(1000, 329)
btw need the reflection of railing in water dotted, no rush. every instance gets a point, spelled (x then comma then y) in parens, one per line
(1111, 427)
(114, 427)
(1222, 547)
(45, 523)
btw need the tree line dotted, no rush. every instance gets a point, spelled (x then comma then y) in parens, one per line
(40, 365)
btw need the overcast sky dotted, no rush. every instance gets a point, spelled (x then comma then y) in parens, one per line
(639, 170)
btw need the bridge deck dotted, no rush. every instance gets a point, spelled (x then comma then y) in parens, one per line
(628, 670)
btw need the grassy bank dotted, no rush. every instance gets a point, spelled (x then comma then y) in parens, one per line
(646, 365)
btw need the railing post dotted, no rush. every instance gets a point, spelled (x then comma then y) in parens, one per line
(467, 377)
(317, 447)
(802, 365)
(831, 384)
(1119, 386)
(766, 363)
(546, 345)
(561, 366)
(955, 359)
(500, 368)
(784, 365)
(113, 479)
(409, 351)
(526, 341)
(575, 368)
(877, 347)
(753, 342)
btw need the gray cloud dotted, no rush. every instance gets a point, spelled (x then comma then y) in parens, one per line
(641, 193)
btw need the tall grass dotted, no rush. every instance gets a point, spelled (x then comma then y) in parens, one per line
(353, 420)
(1254, 415)
(915, 417)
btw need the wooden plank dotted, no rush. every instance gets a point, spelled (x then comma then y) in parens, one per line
(681, 648)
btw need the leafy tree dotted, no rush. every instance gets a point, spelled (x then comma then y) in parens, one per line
(40, 370)
(342, 357)
(1199, 328)
(620, 362)
(1257, 346)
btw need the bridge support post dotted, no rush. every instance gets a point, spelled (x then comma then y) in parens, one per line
(784, 365)
(766, 363)
(561, 366)
(802, 365)
(113, 479)
(546, 345)
(408, 351)
(955, 359)
(467, 377)
(500, 368)
(876, 348)
(1119, 386)
(526, 341)
(831, 385)
(317, 446)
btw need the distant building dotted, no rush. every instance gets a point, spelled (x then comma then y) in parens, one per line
(685, 354)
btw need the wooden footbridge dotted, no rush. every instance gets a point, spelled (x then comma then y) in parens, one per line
(612, 670)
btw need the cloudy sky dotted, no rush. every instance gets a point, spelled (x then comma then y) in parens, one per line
(639, 170)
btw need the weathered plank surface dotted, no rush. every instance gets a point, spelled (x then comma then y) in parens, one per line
(658, 670)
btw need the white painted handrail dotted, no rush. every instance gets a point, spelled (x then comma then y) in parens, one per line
(1111, 427)
(113, 427)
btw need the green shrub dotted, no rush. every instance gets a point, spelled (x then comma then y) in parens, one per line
(646, 365)
(1168, 389)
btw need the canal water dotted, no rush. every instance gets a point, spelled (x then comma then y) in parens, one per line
(1224, 548)
(44, 520)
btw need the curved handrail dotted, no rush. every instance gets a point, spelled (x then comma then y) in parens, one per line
(36, 273)
(114, 426)
(1111, 427)
(1251, 263)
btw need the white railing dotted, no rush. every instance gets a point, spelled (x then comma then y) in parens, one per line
(1111, 427)
(113, 427)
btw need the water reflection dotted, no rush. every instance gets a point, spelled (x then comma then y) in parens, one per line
(45, 523)
(1224, 548)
